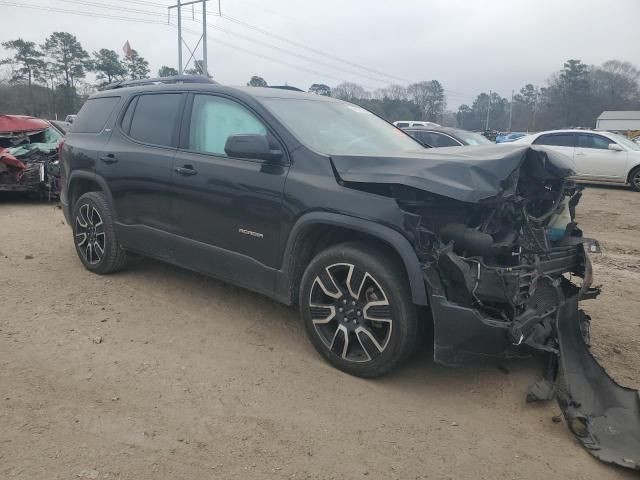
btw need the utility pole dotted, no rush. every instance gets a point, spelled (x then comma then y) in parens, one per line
(510, 110)
(203, 37)
(179, 38)
(486, 126)
(205, 70)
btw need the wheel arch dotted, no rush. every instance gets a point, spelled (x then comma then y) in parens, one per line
(318, 230)
(632, 170)
(81, 182)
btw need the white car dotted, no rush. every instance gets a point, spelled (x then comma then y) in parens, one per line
(599, 156)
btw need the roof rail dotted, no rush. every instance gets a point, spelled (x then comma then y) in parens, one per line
(160, 80)
(286, 87)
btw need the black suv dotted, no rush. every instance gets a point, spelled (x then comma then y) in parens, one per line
(317, 202)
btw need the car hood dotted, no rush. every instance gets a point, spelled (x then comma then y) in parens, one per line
(10, 124)
(469, 174)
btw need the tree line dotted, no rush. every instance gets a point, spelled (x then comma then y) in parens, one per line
(50, 79)
(572, 97)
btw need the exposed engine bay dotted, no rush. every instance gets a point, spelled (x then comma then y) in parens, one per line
(505, 266)
(513, 260)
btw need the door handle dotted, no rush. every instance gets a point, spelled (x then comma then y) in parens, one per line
(580, 154)
(185, 171)
(109, 159)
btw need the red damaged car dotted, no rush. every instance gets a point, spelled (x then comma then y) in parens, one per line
(29, 156)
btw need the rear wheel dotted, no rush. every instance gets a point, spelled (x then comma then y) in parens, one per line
(94, 235)
(356, 306)
(634, 179)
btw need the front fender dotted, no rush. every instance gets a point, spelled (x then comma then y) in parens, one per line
(391, 237)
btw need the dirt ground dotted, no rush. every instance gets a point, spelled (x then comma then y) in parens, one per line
(160, 373)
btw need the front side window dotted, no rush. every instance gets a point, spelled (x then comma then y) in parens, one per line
(94, 114)
(556, 140)
(154, 118)
(402, 124)
(215, 119)
(594, 141)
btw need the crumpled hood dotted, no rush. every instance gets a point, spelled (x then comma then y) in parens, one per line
(469, 174)
(10, 124)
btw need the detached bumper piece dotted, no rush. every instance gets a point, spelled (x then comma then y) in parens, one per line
(603, 415)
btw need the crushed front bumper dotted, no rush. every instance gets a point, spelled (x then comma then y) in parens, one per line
(604, 416)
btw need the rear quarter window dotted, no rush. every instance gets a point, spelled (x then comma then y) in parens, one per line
(94, 114)
(154, 118)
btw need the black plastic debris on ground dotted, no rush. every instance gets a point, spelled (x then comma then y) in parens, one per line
(604, 416)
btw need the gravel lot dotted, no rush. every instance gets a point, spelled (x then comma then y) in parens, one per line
(160, 373)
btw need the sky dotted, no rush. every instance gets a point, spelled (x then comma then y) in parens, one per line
(469, 46)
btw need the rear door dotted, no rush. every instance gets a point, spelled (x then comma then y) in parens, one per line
(562, 142)
(89, 137)
(594, 159)
(228, 210)
(137, 165)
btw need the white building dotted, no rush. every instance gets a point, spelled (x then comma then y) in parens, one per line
(619, 120)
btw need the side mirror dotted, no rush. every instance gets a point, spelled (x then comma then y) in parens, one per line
(252, 146)
(615, 147)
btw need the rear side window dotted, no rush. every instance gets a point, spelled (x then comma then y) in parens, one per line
(594, 141)
(402, 124)
(557, 140)
(94, 114)
(154, 118)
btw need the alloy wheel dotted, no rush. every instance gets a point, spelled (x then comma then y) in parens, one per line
(635, 180)
(89, 234)
(350, 312)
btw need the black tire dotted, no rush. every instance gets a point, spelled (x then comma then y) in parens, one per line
(634, 179)
(367, 326)
(94, 236)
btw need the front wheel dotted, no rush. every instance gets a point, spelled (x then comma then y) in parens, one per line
(356, 306)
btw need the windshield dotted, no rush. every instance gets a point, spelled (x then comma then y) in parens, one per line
(471, 138)
(340, 128)
(625, 142)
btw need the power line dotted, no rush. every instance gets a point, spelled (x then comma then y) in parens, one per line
(153, 22)
(314, 50)
(294, 54)
(75, 12)
(239, 35)
(451, 93)
(110, 7)
(229, 45)
(251, 52)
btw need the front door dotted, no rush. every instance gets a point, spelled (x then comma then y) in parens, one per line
(227, 209)
(594, 159)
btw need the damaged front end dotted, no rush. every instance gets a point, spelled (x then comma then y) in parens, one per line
(29, 157)
(505, 266)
